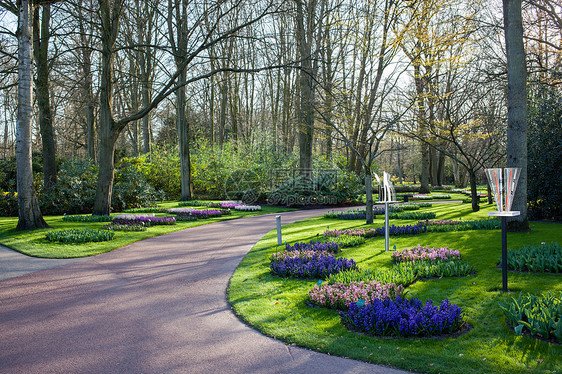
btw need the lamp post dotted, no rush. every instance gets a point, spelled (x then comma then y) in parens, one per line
(388, 197)
(503, 187)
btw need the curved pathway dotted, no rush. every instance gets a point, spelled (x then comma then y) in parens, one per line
(155, 306)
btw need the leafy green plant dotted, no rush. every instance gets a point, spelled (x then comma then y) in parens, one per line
(539, 315)
(192, 203)
(399, 276)
(440, 268)
(545, 258)
(87, 218)
(146, 210)
(79, 236)
(8, 204)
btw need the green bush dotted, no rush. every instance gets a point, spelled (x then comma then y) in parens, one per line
(546, 258)
(544, 186)
(8, 204)
(92, 218)
(131, 190)
(79, 236)
(74, 192)
(413, 215)
(538, 315)
(161, 169)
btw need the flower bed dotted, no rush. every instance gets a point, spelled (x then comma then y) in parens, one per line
(446, 226)
(340, 295)
(371, 233)
(398, 275)
(198, 213)
(126, 227)
(544, 258)
(92, 218)
(422, 197)
(308, 264)
(79, 236)
(439, 222)
(420, 253)
(314, 246)
(247, 208)
(441, 196)
(413, 215)
(146, 220)
(403, 317)
(538, 315)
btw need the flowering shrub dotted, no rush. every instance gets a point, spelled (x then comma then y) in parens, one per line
(247, 208)
(314, 246)
(92, 218)
(8, 204)
(420, 253)
(308, 264)
(403, 317)
(413, 215)
(79, 236)
(340, 295)
(146, 220)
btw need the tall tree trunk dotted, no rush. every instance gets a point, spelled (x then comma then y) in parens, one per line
(306, 111)
(182, 126)
(28, 208)
(41, 47)
(108, 129)
(517, 108)
(369, 195)
(474, 191)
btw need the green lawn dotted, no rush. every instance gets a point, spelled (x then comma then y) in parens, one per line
(33, 243)
(278, 307)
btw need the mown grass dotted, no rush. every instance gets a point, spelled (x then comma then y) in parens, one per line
(33, 243)
(278, 307)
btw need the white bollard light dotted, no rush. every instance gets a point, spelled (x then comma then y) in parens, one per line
(278, 222)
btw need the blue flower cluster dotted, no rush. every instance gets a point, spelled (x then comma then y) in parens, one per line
(317, 266)
(402, 230)
(403, 317)
(314, 246)
(351, 216)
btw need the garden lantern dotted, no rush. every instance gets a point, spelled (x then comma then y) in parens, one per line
(503, 187)
(387, 195)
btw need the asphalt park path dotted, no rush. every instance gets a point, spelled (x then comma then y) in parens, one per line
(155, 306)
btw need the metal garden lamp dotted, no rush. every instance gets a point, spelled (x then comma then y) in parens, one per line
(503, 187)
(388, 196)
